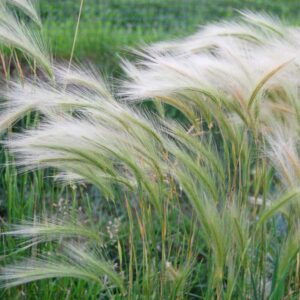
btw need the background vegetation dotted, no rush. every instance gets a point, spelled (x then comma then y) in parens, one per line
(108, 27)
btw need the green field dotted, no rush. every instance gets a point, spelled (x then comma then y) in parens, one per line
(109, 27)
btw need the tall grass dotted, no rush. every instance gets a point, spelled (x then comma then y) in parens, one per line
(204, 208)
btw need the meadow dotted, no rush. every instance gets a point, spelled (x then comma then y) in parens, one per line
(170, 171)
(109, 27)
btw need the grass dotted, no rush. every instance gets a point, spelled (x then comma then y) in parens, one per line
(108, 28)
(105, 199)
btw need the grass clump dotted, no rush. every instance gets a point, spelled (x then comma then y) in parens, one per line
(199, 209)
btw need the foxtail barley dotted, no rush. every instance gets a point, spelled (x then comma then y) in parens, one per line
(232, 163)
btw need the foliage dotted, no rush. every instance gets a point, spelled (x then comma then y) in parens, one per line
(154, 208)
(109, 27)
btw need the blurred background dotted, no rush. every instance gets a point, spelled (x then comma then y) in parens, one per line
(109, 27)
